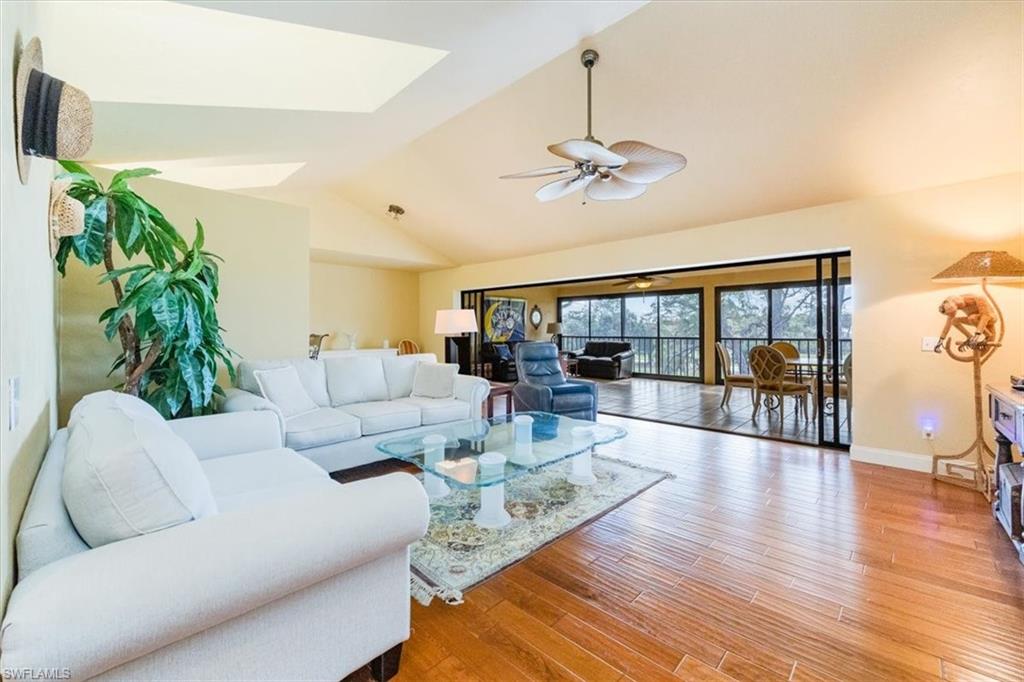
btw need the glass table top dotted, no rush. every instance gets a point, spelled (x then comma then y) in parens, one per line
(453, 451)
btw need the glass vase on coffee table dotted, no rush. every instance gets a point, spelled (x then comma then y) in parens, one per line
(484, 454)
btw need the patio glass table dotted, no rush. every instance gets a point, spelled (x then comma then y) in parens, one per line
(484, 454)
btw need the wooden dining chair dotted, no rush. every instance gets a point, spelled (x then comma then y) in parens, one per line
(408, 347)
(730, 379)
(768, 366)
(790, 352)
(316, 342)
(845, 389)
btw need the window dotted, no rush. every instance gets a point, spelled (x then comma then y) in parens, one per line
(606, 317)
(575, 315)
(642, 316)
(664, 329)
(794, 312)
(787, 311)
(743, 314)
(680, 314)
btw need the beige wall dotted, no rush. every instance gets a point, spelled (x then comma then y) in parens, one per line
(375, 303)
(898, 242)
(264, 293)
(343, 233)
(27, 321)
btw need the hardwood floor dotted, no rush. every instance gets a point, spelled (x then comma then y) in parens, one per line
(760, 561)
(690, 404)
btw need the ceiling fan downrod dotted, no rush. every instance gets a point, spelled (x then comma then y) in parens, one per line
(589, 59)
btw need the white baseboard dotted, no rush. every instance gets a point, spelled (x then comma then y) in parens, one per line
(891, 458)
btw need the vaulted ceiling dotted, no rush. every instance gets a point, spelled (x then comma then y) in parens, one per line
(776, 105)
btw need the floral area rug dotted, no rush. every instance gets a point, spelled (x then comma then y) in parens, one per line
(456, 554)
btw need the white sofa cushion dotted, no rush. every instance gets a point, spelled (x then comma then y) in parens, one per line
(382, 416)
(320, 427)
(127, 474)
(399, 372)
(355, 380)
(128, 404)
(311, 373)
(439, 410)
(283, 387)
(434, 380)
(238, 480)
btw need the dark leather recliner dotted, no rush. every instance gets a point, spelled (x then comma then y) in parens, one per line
(543, 386)
(502, 360)
(606, 360)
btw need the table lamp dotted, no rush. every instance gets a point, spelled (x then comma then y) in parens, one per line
(980, 320)
(453, 324)
(555, 329)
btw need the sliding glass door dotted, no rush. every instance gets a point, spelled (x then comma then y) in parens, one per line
(833, 386)
(811, 317)
(665, 329)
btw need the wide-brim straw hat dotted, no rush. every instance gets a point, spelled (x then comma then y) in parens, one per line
(67, 215)
(53, 119)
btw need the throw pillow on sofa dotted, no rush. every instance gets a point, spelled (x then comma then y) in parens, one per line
(129, 404)
(355, 380)
(126, 473)
(283, 387)
(434, 380)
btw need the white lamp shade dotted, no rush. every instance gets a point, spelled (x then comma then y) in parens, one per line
(458, 321)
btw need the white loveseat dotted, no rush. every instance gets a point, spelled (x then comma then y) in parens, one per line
(294, 577)
(360, 402)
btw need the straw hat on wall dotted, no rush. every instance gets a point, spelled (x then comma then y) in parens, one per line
(67, 215)
(52, 118)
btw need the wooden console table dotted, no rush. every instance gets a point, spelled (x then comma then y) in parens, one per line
(498, 390)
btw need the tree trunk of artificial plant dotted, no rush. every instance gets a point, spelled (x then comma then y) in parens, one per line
(135, 366)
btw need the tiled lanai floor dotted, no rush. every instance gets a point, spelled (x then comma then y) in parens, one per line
(689, 404)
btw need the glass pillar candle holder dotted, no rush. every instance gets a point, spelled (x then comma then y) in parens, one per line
(523, 449)
(492, 512)
(582, 464)
(433, 456)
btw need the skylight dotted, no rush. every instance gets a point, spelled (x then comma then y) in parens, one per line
(221, 177)
(169, 53)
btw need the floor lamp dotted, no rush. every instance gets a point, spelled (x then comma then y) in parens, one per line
(980, 320)
(453, 324)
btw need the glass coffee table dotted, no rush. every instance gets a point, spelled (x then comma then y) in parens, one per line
(484, 454)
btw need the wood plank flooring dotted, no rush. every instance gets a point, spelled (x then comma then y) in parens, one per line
(691, 404)
(760, 561)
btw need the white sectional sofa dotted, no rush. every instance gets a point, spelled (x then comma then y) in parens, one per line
(293, 576)
(359, 402)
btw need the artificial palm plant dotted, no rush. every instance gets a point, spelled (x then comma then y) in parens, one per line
(165, 313)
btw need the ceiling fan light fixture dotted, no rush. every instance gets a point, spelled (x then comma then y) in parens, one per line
(643, 284)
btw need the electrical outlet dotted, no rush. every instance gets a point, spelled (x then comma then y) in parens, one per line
(927, 433)
(928, 344)
(13, 402)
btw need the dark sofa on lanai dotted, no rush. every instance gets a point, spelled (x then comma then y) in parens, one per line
(606, 360)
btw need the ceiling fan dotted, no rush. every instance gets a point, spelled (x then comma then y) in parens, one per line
(620, 171)
(642, 282)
